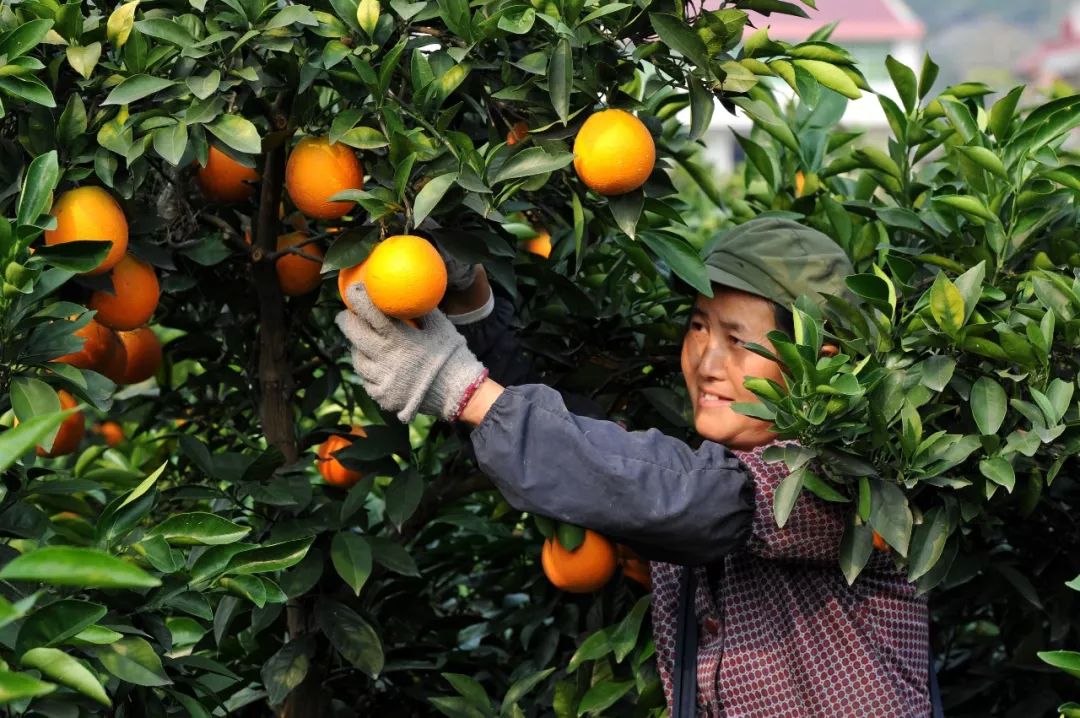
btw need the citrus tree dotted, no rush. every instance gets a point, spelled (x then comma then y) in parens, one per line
(244, 530)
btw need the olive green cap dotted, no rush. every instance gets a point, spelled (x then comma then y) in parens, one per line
(778, 259)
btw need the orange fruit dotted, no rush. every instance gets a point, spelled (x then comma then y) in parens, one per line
(224, 180)
(879, 543)
(800, 182)
(349, 276)
(633, 566)
(111, 432)
(585, 569)
(97, 347)
(316, 171)
(298, 275)
(113, 366)
(90, 213)
(517, 133)
(540, 244)
(142, 352)
(332, 470)
(71, 430)
(614, 152)
(405, 276)
(135, 297)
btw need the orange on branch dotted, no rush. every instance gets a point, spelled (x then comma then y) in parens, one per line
(585, 569)
(517, 133)
(143, 355)
(71, 430)
(614, 152)
(540, 244)
(298, 275)
(316, 171)
(332, 470)
(113, 366)
(96, 349)
(224, 180)
(90, 214)
(880, 544)
(134, 298)
(111, 432)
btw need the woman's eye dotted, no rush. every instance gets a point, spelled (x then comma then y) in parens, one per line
(697, 326)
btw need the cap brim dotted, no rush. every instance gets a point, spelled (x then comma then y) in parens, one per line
(727, 279)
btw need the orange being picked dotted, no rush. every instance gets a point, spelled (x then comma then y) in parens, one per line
(614, 152)
(540, 244)
(316, 171)
(224, 180)
(90, 213)
(71, 430)
(332, 470)
(98, 345)
(142, 353)
(298, 275)
(135, 297)
(517, 133)
(404, 275)
(583, 570)
(111, 432)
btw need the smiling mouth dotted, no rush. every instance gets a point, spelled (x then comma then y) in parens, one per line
(706, 400)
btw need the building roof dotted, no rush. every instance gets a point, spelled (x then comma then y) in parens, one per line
(859, 21)
(1059, 55)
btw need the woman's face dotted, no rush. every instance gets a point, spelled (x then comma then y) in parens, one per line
(715, 361)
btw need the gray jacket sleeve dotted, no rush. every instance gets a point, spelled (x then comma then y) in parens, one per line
(654, 493)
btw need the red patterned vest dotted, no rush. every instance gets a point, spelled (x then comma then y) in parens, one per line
(780, 633)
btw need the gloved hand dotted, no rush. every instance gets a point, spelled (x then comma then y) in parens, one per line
(459, 275)
(408, 370)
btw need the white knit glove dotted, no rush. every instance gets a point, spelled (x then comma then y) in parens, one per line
(408, 370)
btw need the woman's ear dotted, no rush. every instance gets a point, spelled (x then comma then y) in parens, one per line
(829, 350)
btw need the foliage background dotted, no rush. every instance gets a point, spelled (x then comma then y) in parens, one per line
(228, 580)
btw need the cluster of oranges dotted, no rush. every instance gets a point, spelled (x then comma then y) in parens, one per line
(116, 342)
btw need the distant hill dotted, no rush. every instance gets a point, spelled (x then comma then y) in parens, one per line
(984, 39)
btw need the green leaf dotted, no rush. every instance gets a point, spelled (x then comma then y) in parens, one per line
(24, 38)
(133, 660)
(855, 549)
(986, 159)
(831, 76)
(927, 76)
(937, 370)
(287, 668)
(603, 695)
(351, 635)
(626, 209)
(237, 132)
(679, 37)
(428, 197)
(65, 669)
(363, 138)
(471, 690)
(681, 258)
(170, 142)
(19, 686)
(41, 178)
(595, 646)
(248, 587)
(84, 59)
(1068, 661)
(890, 515)
(988, 403)
(144, 486)
(625, 636)
(787, 493)
(928, 543)
(1003, 112)
(560, 74)
(203, 87)
(29, 88)
(530, 162)
(946, 305)
(903, 78)
(55, 623)
(520, 688)
(971, 206)
(569, 536)
(32, 397)
(1000, 471)
(294, 15)
(198, 528)
(367, 15)
(274, 557)
(136, 88)
(71, 566)
(403, 496)
(351, 555)
(72, 120)
(702, 105)
(167, 30)
(121, 22)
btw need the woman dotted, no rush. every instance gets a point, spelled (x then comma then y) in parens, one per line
(750, 620)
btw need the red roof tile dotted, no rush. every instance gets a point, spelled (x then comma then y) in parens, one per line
(859, 21)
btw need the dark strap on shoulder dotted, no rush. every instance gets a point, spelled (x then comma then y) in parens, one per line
(684, 678)
(938, 711)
